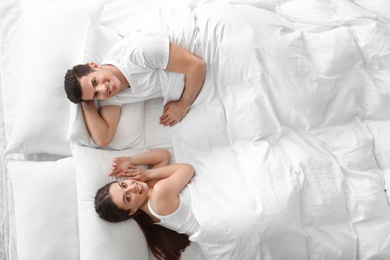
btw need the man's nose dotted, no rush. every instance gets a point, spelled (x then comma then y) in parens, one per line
(102, 88)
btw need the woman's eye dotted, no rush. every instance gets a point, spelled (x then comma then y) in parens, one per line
(123, 184)
(127, 198)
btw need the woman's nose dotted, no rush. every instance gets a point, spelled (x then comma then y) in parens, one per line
(131, 188)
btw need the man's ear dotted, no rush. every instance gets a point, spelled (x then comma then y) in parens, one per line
(132, 211)
(93, 65)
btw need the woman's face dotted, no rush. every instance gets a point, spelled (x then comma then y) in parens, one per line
(129, 194)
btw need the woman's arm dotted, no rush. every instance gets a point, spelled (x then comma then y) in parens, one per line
(153, 158)
(124, 166)
(166, 191)
(194, 68)
(101, 125)
(182, 172)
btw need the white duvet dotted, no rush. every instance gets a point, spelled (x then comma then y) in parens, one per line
(290, 133)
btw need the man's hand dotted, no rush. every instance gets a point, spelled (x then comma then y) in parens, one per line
(194, 68)
(173, 113)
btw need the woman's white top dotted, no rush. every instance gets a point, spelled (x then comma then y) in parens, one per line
(182, 220)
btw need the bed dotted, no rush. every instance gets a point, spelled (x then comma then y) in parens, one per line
(289, 136)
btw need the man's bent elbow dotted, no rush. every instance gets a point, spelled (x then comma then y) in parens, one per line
(103, 141)
(203, 67)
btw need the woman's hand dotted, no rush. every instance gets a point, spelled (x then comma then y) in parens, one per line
(135, 173)
(120, 164)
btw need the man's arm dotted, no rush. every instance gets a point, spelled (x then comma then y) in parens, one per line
(101, 124)
(194, 68)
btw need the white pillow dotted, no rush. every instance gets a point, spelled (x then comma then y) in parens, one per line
(129, 133)
(156, 136)
(98, 40)
(45, 209)
(100, 239)
(52, 36)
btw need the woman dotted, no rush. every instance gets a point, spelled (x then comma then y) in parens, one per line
(158, 195)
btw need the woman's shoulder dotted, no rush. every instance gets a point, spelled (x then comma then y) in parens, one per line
(162, 200)
(162, 191)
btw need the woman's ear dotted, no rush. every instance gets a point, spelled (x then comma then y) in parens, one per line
(132, 211)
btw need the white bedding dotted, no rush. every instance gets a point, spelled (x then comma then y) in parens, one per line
(289, 135)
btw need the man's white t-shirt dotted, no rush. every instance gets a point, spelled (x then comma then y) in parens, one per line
(140, 57)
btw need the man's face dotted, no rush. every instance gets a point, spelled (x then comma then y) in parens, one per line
(100, 84)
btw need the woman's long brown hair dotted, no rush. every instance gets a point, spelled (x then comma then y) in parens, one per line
(164, 243)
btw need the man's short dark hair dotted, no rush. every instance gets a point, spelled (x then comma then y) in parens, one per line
(72, 82)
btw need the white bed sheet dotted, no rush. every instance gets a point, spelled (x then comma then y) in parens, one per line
(10, 22)
(289, 134)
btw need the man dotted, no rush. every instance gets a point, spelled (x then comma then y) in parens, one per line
(132, 69)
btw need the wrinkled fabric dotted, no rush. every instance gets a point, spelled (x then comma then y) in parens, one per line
(289, 135)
